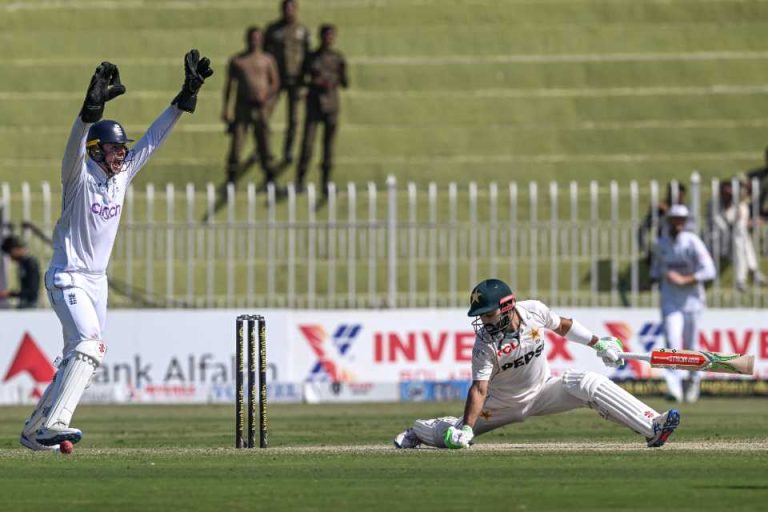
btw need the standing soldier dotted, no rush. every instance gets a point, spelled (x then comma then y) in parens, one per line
(681, 265)
(96, 170)
(511, 380)
(324, 70)
(255, 74)
(288, 41)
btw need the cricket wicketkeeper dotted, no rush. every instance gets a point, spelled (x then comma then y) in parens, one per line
(511, 379)
(96, 170)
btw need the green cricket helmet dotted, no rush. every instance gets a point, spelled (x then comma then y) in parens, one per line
(487, 296)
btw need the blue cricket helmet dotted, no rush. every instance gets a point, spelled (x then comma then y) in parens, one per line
(106, 131)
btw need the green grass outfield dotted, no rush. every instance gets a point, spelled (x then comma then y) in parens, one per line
(340, 458)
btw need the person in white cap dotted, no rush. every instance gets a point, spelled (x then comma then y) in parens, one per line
(681, 265)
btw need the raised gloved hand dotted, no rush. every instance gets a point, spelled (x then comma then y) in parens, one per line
(608, 349)
(105, 85)
(455, 438)
(196, 70)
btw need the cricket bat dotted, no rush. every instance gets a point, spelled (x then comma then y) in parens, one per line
(696, 360)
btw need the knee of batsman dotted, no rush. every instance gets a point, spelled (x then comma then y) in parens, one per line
(583, 385)
(92, 351)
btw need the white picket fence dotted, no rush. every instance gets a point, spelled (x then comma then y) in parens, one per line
(567, 244)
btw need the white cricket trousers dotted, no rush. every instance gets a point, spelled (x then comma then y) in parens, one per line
(80, 302)
(680, 331)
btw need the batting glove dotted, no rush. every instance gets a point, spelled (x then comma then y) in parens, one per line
(105, 85)
(196, 70)
(455, 438)
(608, 349)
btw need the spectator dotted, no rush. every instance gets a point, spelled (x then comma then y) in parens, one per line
(255, 75)
(29, 273)
(761, 173)
(287, 41)
(728, 237)
(324, 71)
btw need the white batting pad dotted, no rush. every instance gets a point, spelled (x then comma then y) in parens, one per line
(73, 377)
(432, 432)
(38, 415)
(611, 401)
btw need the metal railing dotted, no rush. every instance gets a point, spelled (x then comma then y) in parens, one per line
(368, 247)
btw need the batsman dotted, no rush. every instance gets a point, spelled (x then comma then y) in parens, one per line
(96, 170)
(511, 380)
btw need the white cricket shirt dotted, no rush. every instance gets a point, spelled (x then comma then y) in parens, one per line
(516, 368)
(92, 204)
(687, 255)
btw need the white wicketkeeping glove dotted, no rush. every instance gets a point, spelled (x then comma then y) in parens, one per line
(608, 349)
(455, 438)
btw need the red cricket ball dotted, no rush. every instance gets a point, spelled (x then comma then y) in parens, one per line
(66, 447)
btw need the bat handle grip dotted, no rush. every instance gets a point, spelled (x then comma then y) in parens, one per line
(637, 356)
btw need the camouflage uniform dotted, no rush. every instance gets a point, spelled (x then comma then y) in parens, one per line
(324, 70)
(252, 73)
(289, 44)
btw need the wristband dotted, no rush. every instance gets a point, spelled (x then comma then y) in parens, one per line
(579, 333)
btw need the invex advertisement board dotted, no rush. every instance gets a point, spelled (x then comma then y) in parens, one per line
(188, 356)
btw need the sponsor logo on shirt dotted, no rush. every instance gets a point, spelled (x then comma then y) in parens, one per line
(106, 211)
(524, 359)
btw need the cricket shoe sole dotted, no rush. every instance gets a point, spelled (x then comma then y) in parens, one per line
(50, 437)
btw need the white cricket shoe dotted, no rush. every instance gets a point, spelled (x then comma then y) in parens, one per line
(663, 426)
(57, 435)
(407, 439)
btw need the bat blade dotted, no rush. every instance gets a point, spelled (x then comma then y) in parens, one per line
(700, 360)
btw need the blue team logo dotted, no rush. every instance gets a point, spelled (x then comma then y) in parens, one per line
(330, 351)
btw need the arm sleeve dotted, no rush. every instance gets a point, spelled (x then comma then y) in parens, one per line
(274, 75)
(705, 266)
(228, 85)
(655, 272)
(307, 41)
(343, 73)
(269, 45)
(153, 139)
(305, 66)
(74, 154)
(482, 362)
